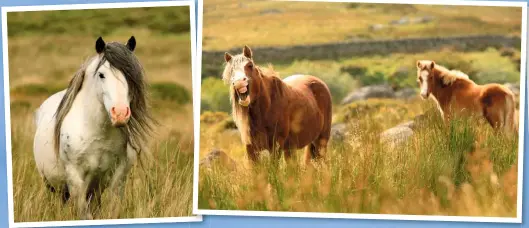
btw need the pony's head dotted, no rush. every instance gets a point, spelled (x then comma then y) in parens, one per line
(109, 82)
(242, 75)
(432, 76)
(425, 77)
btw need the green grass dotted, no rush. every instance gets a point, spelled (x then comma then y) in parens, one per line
(56, 48)
(99, 22)
(229, 24)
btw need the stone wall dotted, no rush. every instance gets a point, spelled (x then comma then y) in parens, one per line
(212, 61)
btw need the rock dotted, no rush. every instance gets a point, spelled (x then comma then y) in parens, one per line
(374, 91)
(406, 93)
(425, 19)
(376, 27)
(218, 157)
(401, 21)
(270, 11)
(410, 124)
(338, 132)
(515, 88)
(396, 136)
(507, 52)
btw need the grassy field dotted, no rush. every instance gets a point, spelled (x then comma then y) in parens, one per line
(45, 50)
(276, 23)
(463, 169)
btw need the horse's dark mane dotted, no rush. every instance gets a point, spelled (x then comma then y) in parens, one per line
(139, 127)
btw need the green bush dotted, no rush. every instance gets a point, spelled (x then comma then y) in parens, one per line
(172, 92)
(33, 89)
(215, 95)
(99, 22)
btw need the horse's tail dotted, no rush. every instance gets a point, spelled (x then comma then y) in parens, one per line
(509, 118)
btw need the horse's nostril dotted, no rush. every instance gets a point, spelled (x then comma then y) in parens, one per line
(113, 110)
(244, 79)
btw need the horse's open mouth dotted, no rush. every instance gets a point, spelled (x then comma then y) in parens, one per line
(243, 95)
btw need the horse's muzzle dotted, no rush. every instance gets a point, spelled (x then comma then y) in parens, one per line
(120, 115)
(242, 89)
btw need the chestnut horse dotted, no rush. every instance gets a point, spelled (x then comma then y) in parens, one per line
(455, 93)
(277, 115)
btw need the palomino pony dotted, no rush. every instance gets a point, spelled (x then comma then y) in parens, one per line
(273, 114)
(455, 93)
(89, 134)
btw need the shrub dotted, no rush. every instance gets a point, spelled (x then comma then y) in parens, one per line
(172, 92)
(215, 95)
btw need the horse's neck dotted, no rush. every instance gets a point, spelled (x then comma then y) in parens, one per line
(88, 108)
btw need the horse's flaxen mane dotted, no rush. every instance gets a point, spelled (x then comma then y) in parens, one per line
(449, 76)
(139, 127)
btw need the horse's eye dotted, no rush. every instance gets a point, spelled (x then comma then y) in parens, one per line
(250, 65)
(101, 75)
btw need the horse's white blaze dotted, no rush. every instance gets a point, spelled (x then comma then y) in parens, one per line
(424, 84)
(113, 90)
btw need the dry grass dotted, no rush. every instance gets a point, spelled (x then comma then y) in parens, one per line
(229, 24)
(463, 170)
(41, 64)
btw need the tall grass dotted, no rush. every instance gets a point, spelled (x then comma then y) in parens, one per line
(463, 168)
(162, 188)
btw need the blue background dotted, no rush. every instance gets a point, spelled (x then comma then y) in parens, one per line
(237, 221)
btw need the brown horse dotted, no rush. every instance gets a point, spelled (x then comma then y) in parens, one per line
(277, 115)
(455, 93)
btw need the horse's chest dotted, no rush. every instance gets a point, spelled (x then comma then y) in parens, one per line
(93, 151)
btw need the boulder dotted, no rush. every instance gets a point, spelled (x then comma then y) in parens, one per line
(218, 157)
(396, 136)
(373, 91)
(406, 93)
(338, 132)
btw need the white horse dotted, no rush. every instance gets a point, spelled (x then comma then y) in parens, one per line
(89, 134)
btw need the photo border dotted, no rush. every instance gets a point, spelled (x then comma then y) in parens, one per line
(5, 10)
(523, 49)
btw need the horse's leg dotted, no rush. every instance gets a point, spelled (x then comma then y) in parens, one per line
(252, 153)
(65, 194)
(308, 153)
(117, 183)
(78, 185)
(321, 148)
(93, 196)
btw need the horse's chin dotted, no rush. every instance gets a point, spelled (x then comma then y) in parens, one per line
(244, 100)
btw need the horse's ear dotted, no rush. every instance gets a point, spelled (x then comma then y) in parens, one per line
(131, 43)
(419, 65)
(247, 51)
(432, 65)
(227, 56)
(100, 45)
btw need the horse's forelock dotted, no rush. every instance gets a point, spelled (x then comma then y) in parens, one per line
(235, 62)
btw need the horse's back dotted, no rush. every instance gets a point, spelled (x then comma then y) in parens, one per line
(314, 84)
(317, 90)
(43, 144)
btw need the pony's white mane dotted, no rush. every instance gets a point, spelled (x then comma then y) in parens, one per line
(449, 76)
